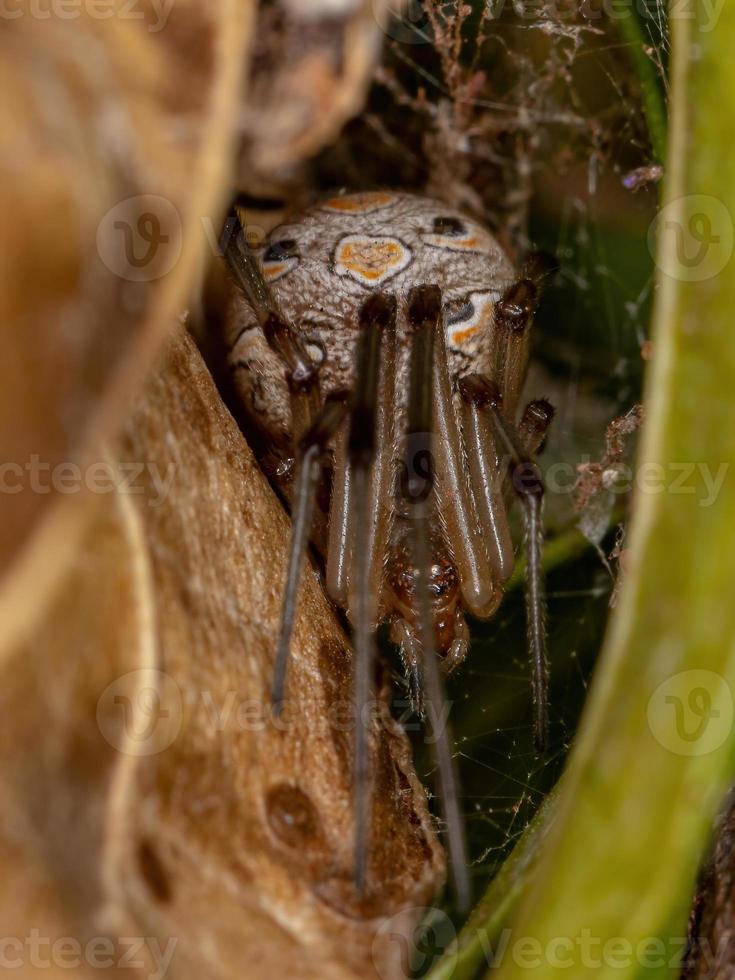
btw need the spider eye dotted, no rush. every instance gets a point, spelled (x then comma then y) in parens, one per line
(451, 227)
(278, 251)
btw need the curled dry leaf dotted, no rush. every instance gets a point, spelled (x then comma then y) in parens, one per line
(149, 791)
(312, 63)
(251, 819)
(116, 136)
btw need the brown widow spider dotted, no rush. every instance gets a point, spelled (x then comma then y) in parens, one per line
(389, 335)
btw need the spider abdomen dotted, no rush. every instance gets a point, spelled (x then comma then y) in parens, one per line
(322, 264)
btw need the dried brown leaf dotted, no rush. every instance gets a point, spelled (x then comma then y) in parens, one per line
(265, 807)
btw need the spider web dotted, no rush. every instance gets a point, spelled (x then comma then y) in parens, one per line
(531, 121)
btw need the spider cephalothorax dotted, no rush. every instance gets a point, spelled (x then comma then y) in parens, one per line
(388, 335)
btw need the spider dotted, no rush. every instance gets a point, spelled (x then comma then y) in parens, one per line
(379, 342)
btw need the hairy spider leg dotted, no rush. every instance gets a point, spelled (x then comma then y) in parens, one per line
(339, 533)
(301, 372)
(419, 495)
(512, 315)
(482, 397)
(486, 476)
(339, 556)
(495, 401)
(529, 486)
(309, 469)
(534, 425)
(377, 324)
(480, 593)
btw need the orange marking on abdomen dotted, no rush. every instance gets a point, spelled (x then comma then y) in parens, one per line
(479, 319)
(274, 270)
(359, 203)
(461, 335)
(474, 243)
(370, 260)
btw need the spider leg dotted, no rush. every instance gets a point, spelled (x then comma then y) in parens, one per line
(339, 552)
(534, 425)
(528, 485)
(486, 474)
(513, 314)
(470, 554)
(301, 372)
(377, 330)
(339, 533)
(382, 472)
(403, 636)
(426, 326)
(532, 429)
(308, 473)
